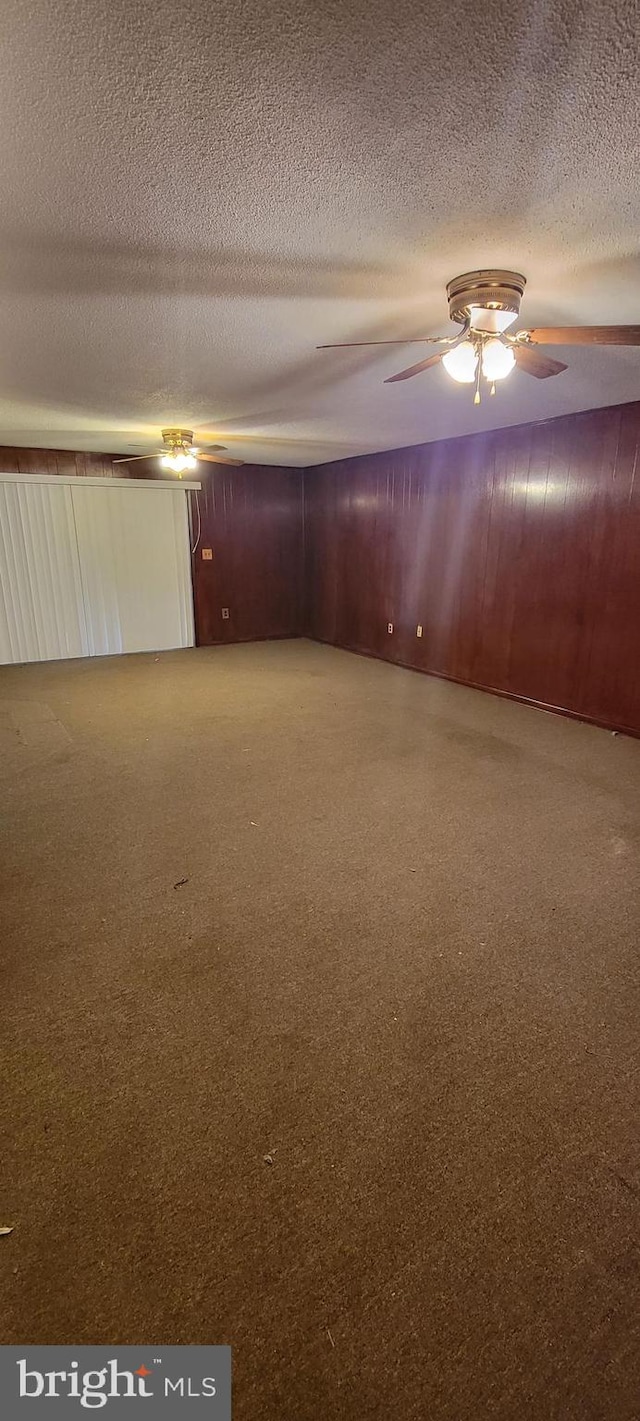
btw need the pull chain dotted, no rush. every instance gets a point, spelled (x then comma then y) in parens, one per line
(476, 398)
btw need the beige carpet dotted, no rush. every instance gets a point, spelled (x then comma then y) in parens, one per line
(277, 900)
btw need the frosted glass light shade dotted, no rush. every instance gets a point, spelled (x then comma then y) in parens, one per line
(498, 360)
(461, 363)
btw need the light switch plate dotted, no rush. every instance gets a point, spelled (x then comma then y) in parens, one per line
(207, 554)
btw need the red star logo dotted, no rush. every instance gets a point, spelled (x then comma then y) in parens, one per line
(143, 1372)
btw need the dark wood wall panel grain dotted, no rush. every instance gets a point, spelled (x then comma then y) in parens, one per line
(517, 551)
(251, 519)
(14, 460)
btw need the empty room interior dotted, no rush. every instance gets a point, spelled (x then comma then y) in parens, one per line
(320, 709)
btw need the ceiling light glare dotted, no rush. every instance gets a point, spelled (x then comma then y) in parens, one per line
(461, 363)
(498, 360)
(178, 461)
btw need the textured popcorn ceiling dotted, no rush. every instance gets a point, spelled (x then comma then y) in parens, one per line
(194, 195)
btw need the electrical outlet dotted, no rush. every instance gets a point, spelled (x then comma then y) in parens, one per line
(225, 614)
(390, 628)
(418, 630)
(207, 554)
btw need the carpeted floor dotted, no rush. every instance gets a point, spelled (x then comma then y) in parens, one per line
(277, 900)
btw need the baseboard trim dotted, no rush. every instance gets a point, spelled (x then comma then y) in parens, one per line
(618, 727)
(245, 640)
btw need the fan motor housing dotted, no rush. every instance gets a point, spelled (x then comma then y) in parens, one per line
(492, 290)
(177, 438)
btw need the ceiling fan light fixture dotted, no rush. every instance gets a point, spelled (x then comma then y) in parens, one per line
(461, 362)
(178, 461)
(179, 453)
(485, 303)
(498, 360)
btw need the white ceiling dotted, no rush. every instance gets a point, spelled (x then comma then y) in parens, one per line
(195, 195)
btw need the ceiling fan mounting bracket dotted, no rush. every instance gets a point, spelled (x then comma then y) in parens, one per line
(493, 290)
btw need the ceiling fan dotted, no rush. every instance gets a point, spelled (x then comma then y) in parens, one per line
(179, 452)
(485, 304)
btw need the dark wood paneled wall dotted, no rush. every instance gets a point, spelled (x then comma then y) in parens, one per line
(517, 551)
(252, 522)
(251, 519)
(58, 461)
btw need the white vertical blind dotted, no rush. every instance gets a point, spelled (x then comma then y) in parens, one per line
(41, 606)
(89, 569)
(133, 545)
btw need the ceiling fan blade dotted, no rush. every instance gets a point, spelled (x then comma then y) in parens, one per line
(218, 459)
(408, 340)
(134, 457)
(585, 335)
(535, 363)
(415, 369)
(208, 448)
